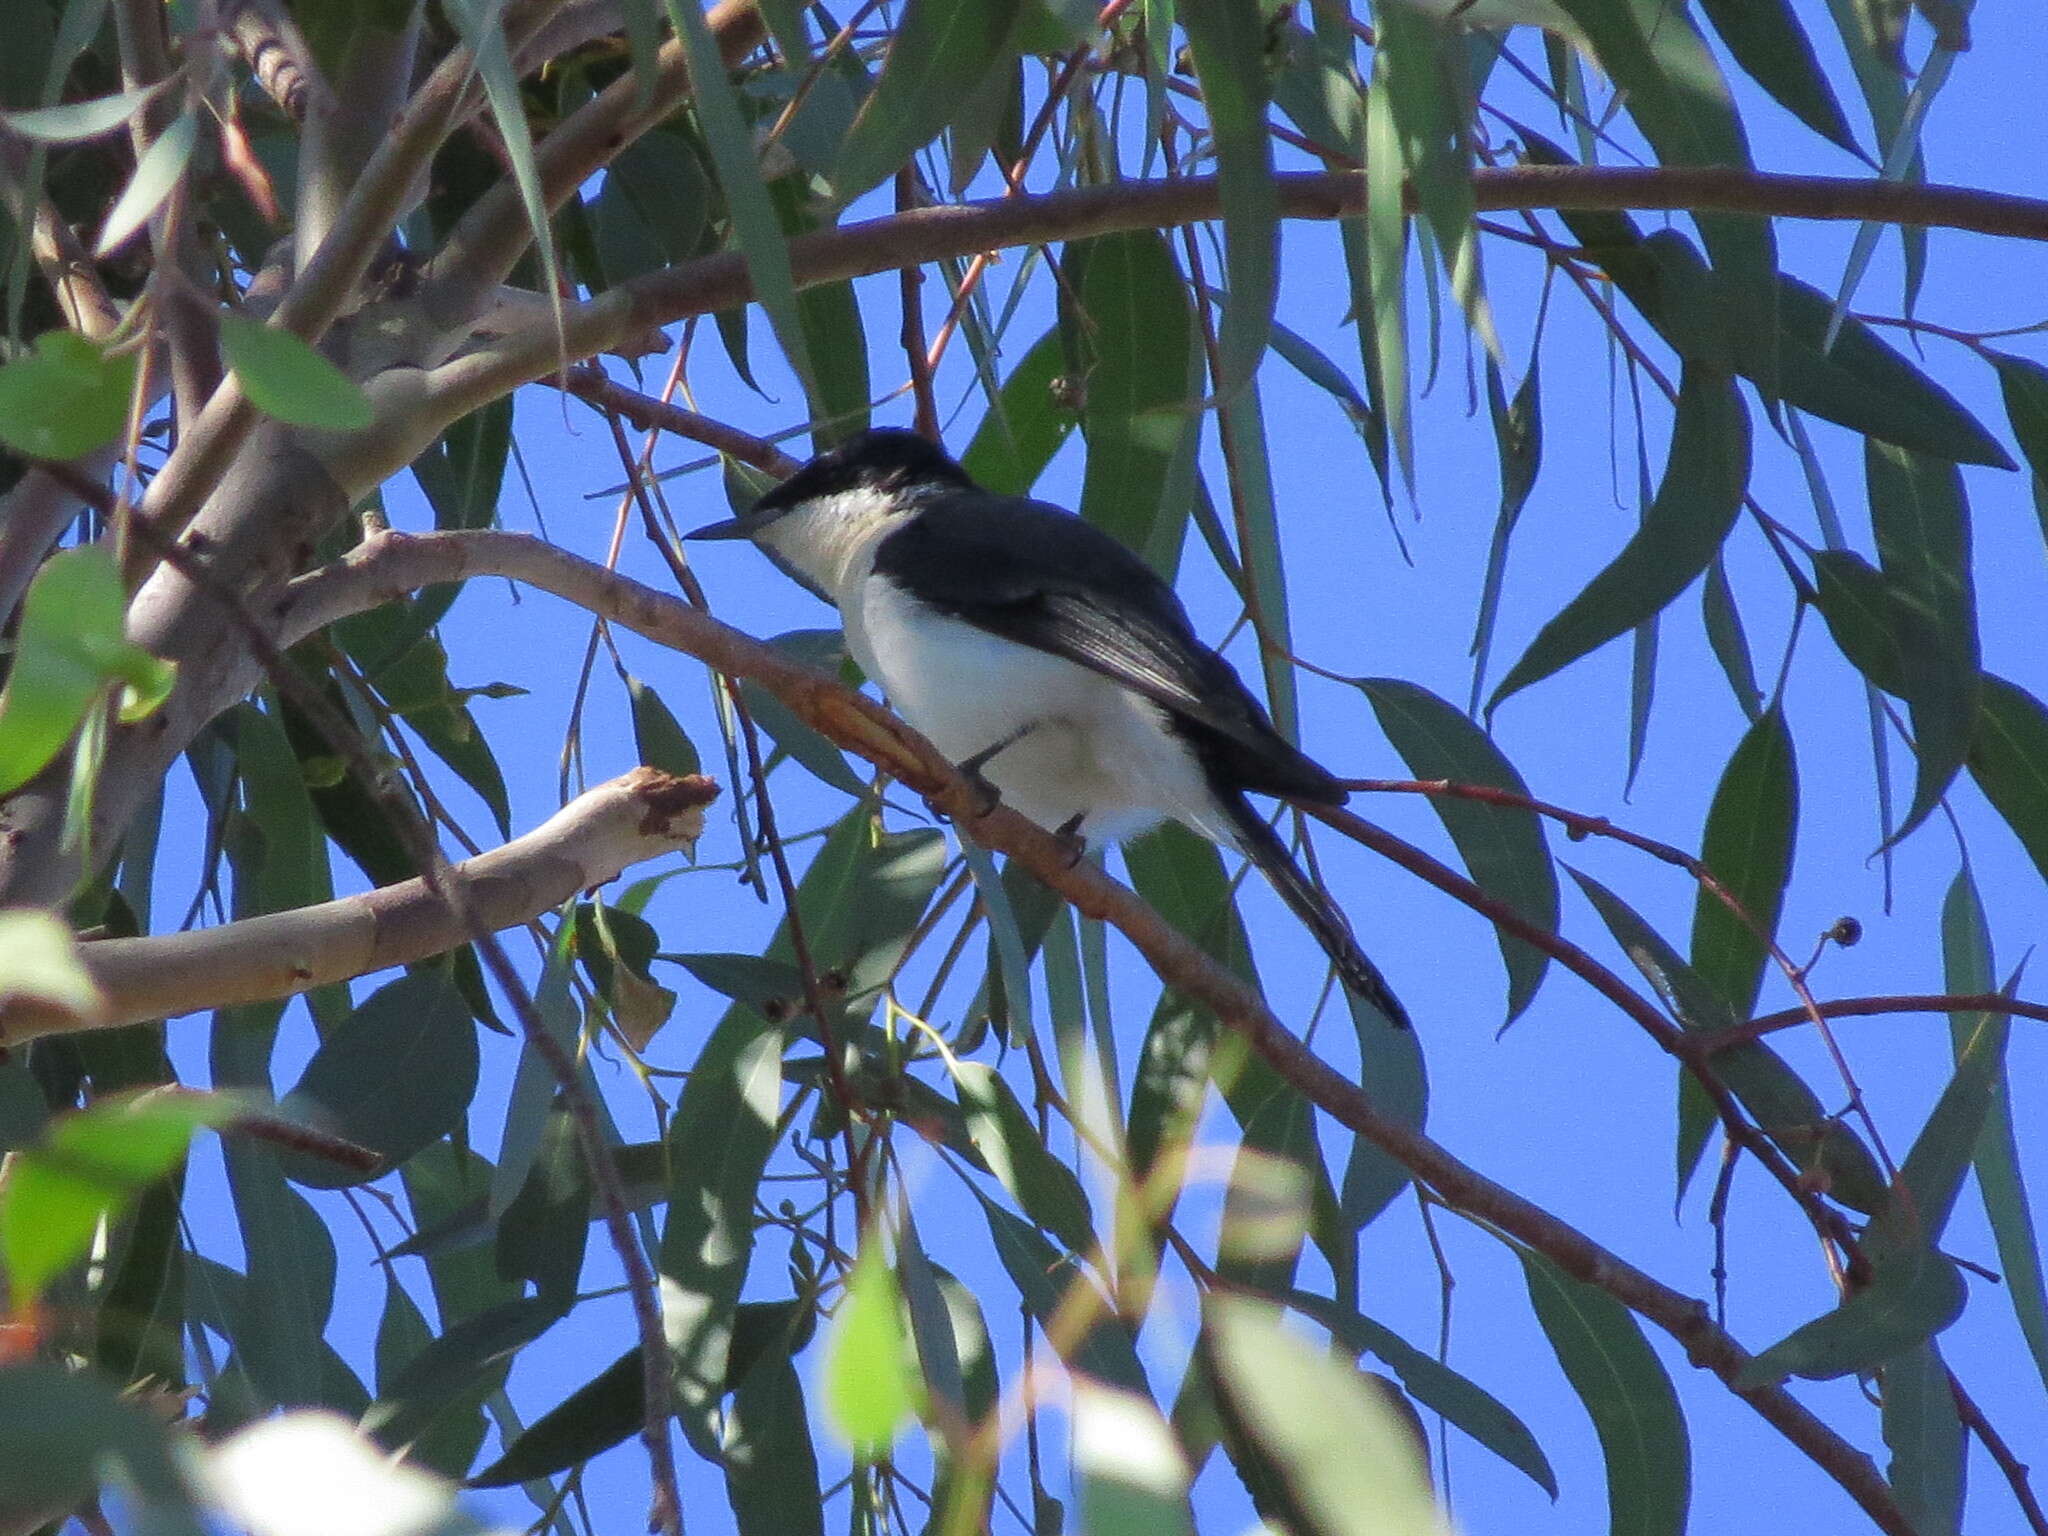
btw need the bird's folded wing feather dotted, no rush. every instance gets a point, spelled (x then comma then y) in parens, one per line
(1043, 578)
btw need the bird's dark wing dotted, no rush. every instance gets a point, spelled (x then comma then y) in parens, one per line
(1041, 577)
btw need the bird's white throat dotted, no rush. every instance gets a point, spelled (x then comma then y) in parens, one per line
(829, 541)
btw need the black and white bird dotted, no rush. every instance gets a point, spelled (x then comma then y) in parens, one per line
(1035, 649)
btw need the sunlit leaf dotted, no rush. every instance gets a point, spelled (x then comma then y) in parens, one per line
(89, 1167)
(40, 965)
(867, 1387)
(1132, 1478)
(287, 379)
(71, 645)
(156, 173)
(76, 121)
(65, 398)
(1339, 1459)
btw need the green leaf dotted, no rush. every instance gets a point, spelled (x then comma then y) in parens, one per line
(156, 173)
(542, 1234)
(1722, 622)
(1680, 534)
(63, 1430)
(1767, 40)
(1418, 64)
(1518, 442)
(1228, 44)
(1044, 1188)
(657, 737)
(2009, 760)
(1436, 1387)
(2024, 384)
(65, 398)
(1925, 1434)
(940, 51)
(285, 378)
(771, 1467)
(1672, 87)
(1131, 328)
(1503, 846)
(398, 1074)
(1913, 1294)
(1043, 1278)
(39, 957)
(756, 225)
(1026, 423)
(1131, 1478)
(1859, 382)
(867, 1381)
(1627, 1394)
(89, 1167)
(462, 1365)
(1966, 968)
(1922, 525)
(1747, 847)
(718, 1142)
(76, 121)
(1336, 1456)
(1784, 1107)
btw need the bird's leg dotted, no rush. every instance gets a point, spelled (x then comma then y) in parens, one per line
(1069, 833)
(970, 767)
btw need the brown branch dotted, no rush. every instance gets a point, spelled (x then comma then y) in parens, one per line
(591, 384)
(638, 816)
(1869, 1007)
(1739, 1128)
(961, 230)
(390, 564)
(271, 44)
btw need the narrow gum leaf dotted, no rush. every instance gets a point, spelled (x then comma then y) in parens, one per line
(1694, 508)
(1626, 1393)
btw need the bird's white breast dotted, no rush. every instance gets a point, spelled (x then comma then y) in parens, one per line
(1095, 750)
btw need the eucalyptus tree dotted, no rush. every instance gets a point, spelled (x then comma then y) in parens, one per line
(930, 1190)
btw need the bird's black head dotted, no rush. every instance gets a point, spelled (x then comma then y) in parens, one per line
(885, 459)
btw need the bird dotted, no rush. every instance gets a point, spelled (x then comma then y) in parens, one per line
(1046, 660)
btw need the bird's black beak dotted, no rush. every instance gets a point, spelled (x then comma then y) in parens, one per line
(731, 528)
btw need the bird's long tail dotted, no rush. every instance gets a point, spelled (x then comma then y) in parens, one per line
(1312, 905)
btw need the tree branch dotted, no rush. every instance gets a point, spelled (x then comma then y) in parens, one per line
(958, 230)
(390, 564)
(639, 816)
